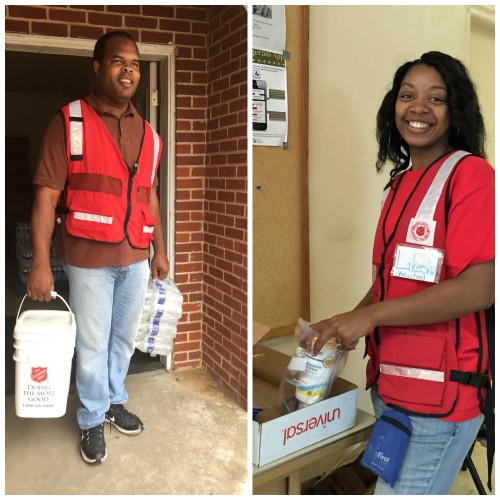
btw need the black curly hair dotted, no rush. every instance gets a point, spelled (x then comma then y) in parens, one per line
(102, 42)
(467, 130)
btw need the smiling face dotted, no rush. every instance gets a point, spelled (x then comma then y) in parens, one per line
(118, 73)
(422, 116)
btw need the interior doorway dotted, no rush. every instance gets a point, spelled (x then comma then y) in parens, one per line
(41, 75)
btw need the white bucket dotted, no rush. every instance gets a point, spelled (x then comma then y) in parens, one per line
(44, 343)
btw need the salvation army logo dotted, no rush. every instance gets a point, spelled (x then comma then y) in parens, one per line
(39, 374)
(420, 231)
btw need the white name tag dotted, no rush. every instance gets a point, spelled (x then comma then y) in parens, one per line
(418, 263)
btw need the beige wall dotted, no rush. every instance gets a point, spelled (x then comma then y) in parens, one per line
(482, 68)
(354, 52)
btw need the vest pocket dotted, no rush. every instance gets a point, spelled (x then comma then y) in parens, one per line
(148, 225)
(413, 368)
(90, 217)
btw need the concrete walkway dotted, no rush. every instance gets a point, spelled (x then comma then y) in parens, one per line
(194, 443)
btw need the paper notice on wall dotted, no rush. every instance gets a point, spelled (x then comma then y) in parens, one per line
(269, 99)
(269, 29)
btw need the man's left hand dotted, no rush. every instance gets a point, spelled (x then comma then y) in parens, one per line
(159, 266)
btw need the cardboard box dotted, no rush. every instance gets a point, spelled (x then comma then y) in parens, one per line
(259, 333)
(276, 435)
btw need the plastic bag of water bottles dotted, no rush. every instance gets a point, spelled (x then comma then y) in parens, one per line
(161, 313)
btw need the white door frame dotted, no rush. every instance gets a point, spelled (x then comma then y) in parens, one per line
(165, 56)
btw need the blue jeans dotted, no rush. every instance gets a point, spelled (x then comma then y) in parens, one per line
(434, 456)
(107, 303)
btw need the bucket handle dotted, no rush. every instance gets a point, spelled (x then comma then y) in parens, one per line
(52, 293)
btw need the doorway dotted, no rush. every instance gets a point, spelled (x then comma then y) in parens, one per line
(43, 74)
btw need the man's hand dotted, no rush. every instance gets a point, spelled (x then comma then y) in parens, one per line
(40, 283)
(159, 266)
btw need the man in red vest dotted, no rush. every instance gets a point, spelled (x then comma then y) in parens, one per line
(97, 174)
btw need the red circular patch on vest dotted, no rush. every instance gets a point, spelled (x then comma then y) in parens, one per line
(420, 231)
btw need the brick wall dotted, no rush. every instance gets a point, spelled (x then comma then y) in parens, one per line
(211, 164)
(224, 344)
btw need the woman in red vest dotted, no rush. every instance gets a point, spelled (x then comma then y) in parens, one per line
(424, 317)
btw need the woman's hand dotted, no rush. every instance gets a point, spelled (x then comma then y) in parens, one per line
(346, 329)
(472, 290)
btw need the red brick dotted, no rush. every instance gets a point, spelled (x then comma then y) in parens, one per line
(191, 89)
(175, 25)
(99, 8)
(189, 227)
(183, 102)
(77, 31)
(101, 19)
(239, 49)
(157, 11)
(66, 15)
(158, 37)
(183, 125)
(124, 9)
(191, 40)
(199, 102)
(190, 160)
(26, 12)
(199, 28)
(197, 13)
(141, 22)
(191, 65)
(200, 53)
(190, 137)
(13, 26)
(49, 29)
(191, 114)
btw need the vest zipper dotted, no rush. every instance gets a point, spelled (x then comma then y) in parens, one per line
(132, 173)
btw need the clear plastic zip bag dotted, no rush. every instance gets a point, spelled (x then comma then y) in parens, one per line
(308, 379)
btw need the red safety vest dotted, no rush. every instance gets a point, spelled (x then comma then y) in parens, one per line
(106, 200)
(417, 367)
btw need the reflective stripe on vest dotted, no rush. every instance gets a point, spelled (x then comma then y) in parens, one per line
(156, 146)
(76, 130)
(102, 219)
(424, 218)
(428, 205)
(418, 373)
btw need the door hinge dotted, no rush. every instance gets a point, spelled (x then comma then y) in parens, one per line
(154, 97)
